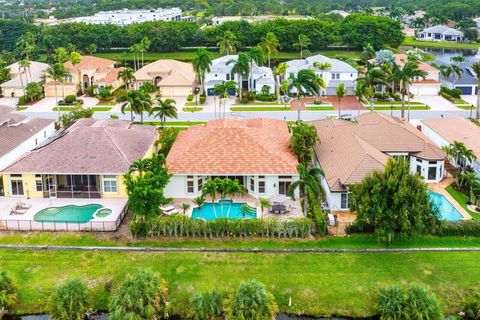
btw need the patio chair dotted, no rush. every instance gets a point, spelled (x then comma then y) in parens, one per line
(23, 206)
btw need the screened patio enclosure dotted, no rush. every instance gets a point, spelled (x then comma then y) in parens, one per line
(69, 185)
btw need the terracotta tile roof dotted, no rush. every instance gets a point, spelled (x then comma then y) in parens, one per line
(401, 58)
(89, 147)
(112, 75)
(173, 73)
(90, 62)
(228, 146)
(347, 152)
(457, 129)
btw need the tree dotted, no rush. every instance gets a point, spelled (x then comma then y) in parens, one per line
(256, 56)
(78, 112)
(303, 83)
(393, 201)
(70, 301)
(8, 294)
(471, 183)
(26, 45)
(264, 203)
(34, 91)
(251, 301)
(270, 44)
(241, 67)
(91, 48)
(144, 46)
(207, 306)
(302, 43)
(280, 77)
(302, 142)
(23, 64)
(138, 102)
(470, 305)
(57, 73)
(227, 43)
(4, 71)
(321, 85)
(366, 84)
(202, 63)
(127, 76)
(476, 68)
(222, 90)
(308, 183)
(341, 91)
(141, 296)
(460, 154)
(165, 108)
(368, 53)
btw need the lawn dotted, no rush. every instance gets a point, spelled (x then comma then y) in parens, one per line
(397, 107)
(410, 41)
(317, 284)
(174, 123)
(319, 108)
(388, 103)
(462, 199)
(192, 109)
(101, 108)
(259, 107)
(476, 122)
(63, 109)
(21, 108)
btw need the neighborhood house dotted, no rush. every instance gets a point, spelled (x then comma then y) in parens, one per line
(440, 33)
(20, 77)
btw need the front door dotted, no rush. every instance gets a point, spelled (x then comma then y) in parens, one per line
(17, 187)
(283, 187)
(51, 186)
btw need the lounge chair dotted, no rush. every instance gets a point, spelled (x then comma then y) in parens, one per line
(23, 206)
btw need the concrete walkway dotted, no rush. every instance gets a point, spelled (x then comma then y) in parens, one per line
(436, 102)
(47, 104)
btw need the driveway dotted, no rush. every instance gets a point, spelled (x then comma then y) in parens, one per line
(470, 99)
(47, 104)
(10, 102)
(436, 102)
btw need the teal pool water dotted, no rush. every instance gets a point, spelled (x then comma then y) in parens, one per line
(446, 210)
(69, 214)
(223, 209)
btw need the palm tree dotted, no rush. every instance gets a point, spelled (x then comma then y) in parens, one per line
(284, 88)
(140, 166)
(369, 81)
(341, 92)
(136, 49)
(26, 46)
(323, 67)
(304, 83)
(138, 102)
(202, 63)
(127, 75)
(57, 73)
(227, 43)
(321, 86)
(280, 75)
(23, 64)
(308, 183)
(264, 203)
(459, 152)
(476, 68)
(471, 182)
(166, 108)
(241, 67)
(270, 44)
(303, 43)
(404, 76)
(257, 56)
(222, 90)
(364, 94)
(144, 46)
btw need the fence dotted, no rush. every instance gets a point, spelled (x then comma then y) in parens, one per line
(73, 226)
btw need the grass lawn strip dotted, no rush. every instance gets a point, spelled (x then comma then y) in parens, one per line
(341, 284)
(63, 109)
(21, 108)
(320, 108)
(192, 109)
(462, 200)
(410, 41)
(394, 107)
(101, 108)
(259, 108)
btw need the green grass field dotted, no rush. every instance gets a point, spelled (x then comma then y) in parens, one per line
(326, 108)
(317, 284)
(397, 107)
(410, 41)
(101, 108)
(21, 108)
(399, 103)
(462, 199)
(192, 109)
(63, 109)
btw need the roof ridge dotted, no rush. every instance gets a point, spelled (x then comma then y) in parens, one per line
(115, 144)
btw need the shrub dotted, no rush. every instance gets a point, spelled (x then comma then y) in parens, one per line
(381, 96)
(141, 296)
(207, 306)
(190, 97)
(320, 221)
(470, 306)
(8, 294)
(70, 301)
(251, 301)
(266, 97)
(202, 99)
(70, 99)
(456, 93)
(114, 116)
(468, 228)
(23, 100)
(120, 95)
(251, 95)
(243, 100)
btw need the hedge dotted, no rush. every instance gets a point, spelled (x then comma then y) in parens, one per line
(182, 226)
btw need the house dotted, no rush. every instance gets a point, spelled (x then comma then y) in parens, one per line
(440, 33)
(19, 78)
(445, 131)
(256, 152)
(19, 134)
(347, 152)
(467, 82)
(87, 160)
(430, 86)
(221, 70)
(340, 72)
(340, 12)
(126, 16)
(173, 78)
(91, 71)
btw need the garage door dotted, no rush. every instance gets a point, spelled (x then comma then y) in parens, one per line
(425, 90)
(465, 90)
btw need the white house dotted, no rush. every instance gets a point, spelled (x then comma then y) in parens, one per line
(467, 82)
(19, 134)
(445, 131)
(221, 70)
(20, 77)
(127, 16)
(348, 151)
(340, 72)
(255, 152)
(440, 33)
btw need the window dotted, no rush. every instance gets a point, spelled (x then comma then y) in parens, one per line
(228, 76)
(419, 169)
(110, 184)
(38, 183)
(190, 184)
(200, 183)
(252, 184)
(261, 184)
(335, 76)
(432, 173)
(16, 184)
(44, 134)
(344, 201)
(36, 141)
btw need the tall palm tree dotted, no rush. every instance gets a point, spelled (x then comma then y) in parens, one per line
(476, 68)
(138, 102)
(127, 75)
(304, 83)
(222, 90)
(321, 84)
(241, 67)
(404, 76)
(471, 182)
(202, 63)
(57, 73)
(140, 166)
(227, 43)
(270, 44)
(26, 46)
(280, 75)
(323, 67)
(302, 43)
(257, 56)
(165, 108)
(308, 184)
(23, 65)
(372, 77)
(144, 46)
(341, 92)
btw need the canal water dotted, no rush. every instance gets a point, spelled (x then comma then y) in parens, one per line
(444, 55)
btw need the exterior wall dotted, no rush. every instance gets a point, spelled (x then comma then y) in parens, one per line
(50, 90)
(425, 89)
(10, 92)
(26, 146)
(175, 91)
(421, 166)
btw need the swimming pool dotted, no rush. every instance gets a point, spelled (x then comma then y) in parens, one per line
(72, 213)
(223, 209)
(446, 210)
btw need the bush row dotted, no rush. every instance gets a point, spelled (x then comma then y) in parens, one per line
(181, 226)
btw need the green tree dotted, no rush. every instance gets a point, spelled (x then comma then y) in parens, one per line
(304, 83)
(393, 201)
(471, 183)
(127, 76)
(207, 306)
(227, 43)
(145, 44)
(264, 203)
(23, 64)
(476, 68)
(303, 43)
(341, 91)
(321, 85)
(57, 73)
(270, 44)
(256, 56)
(142, 296)
(91, 48)
(251, 301)
(309, 184)
(241, 67)
(302, 142)
(78, 112)
(34, 91)
(470, 306)
(8, 294)
(222, 90)
(368, 53)
(202, 63)
(460, 154)
(164, 108)
(366, 84)
(70, 301)
(138, 102)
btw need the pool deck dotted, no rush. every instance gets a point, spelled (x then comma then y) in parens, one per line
(26, 221)
(440, 188)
